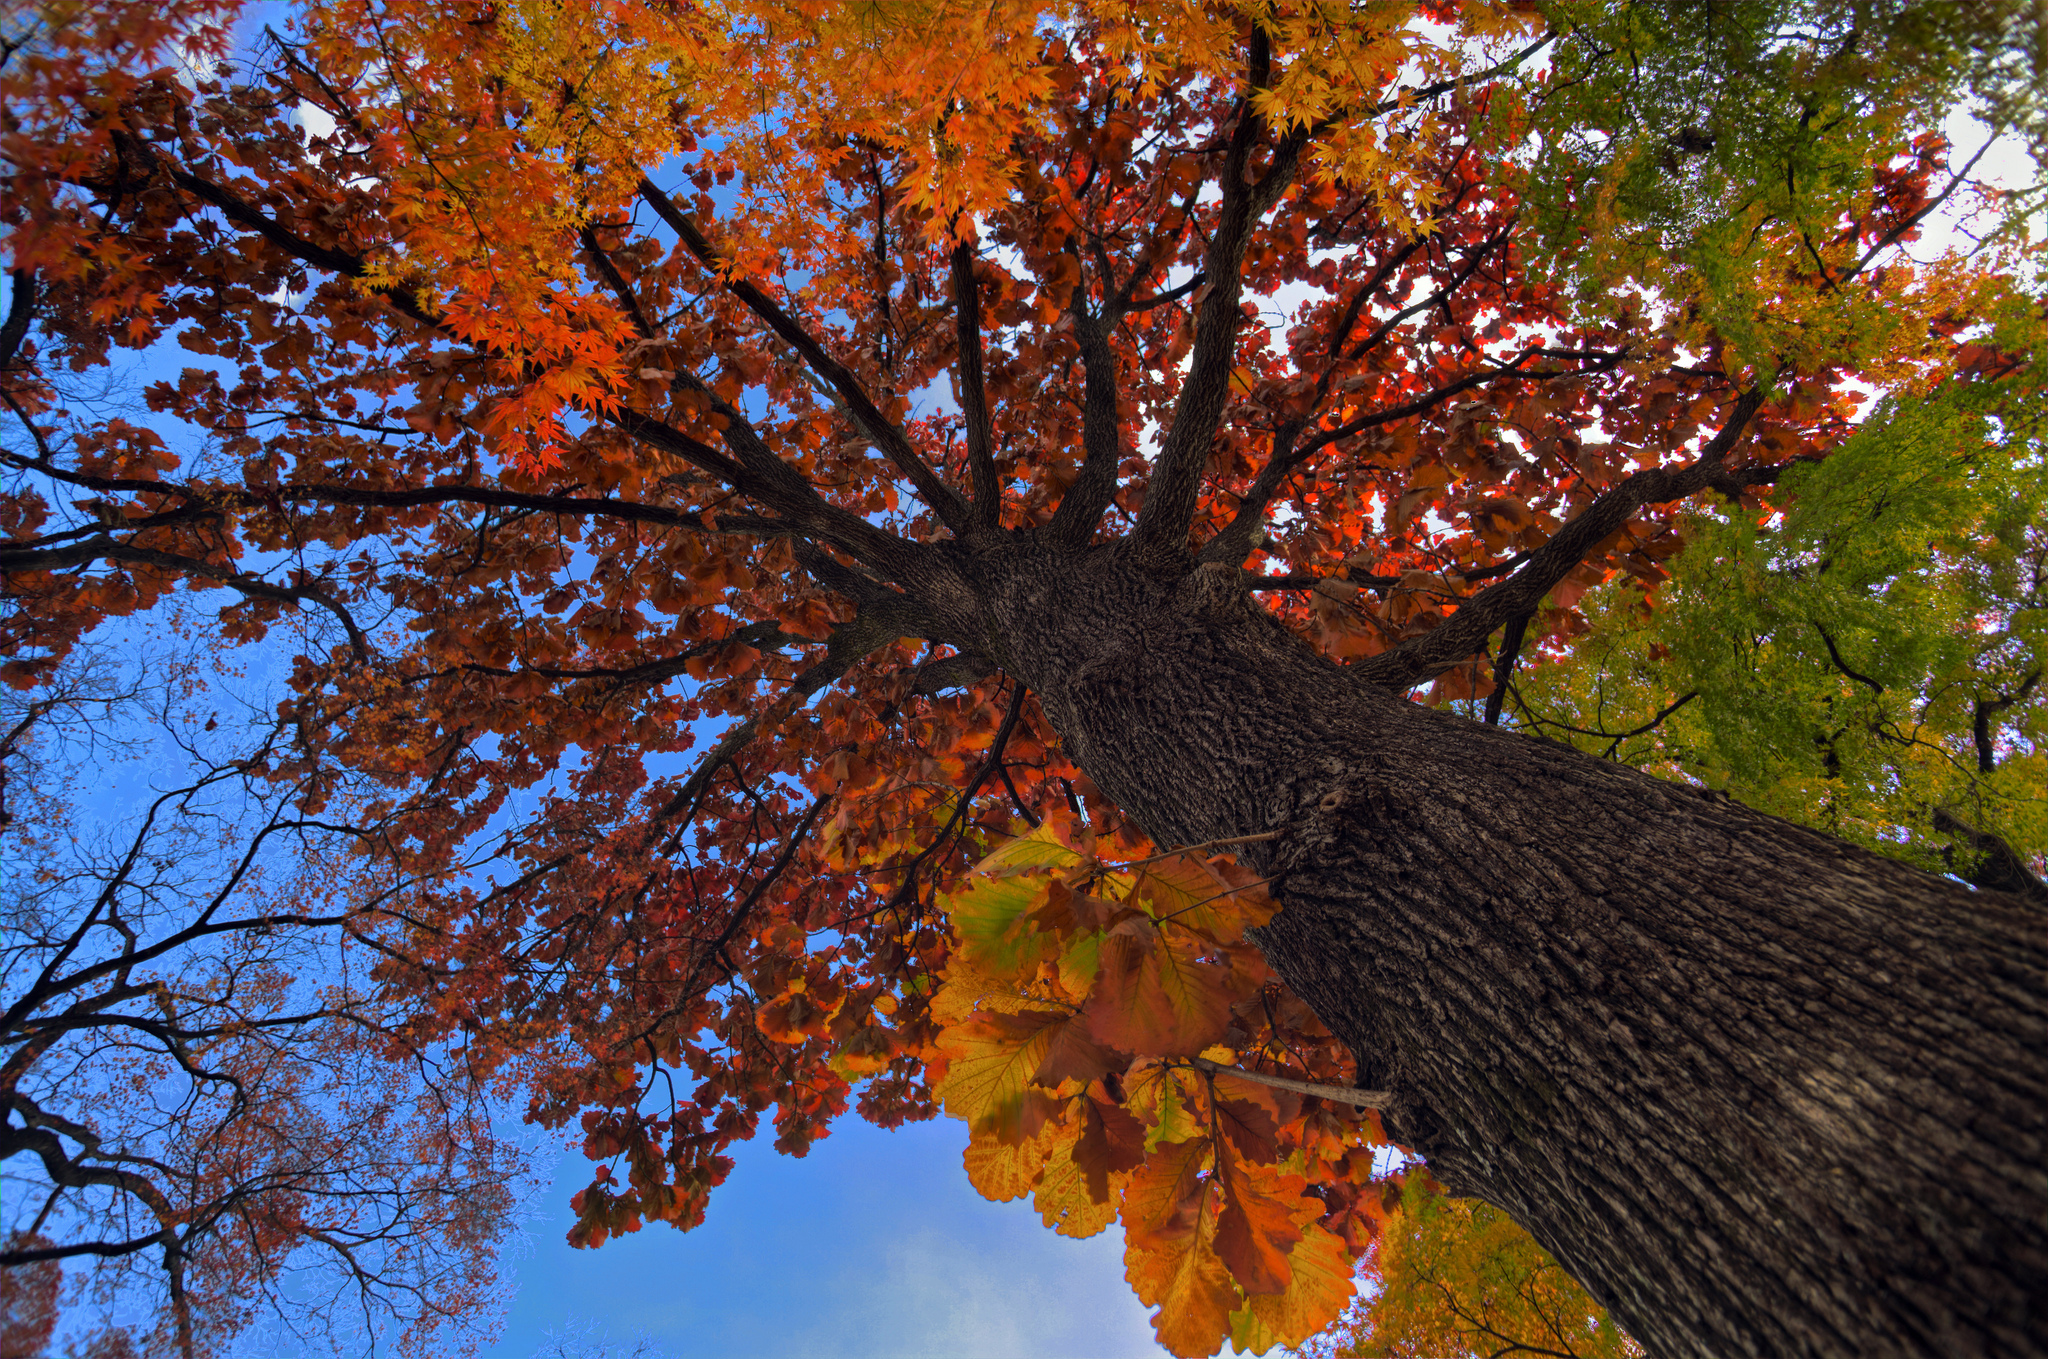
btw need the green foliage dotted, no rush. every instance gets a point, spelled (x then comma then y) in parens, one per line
(1458, 1278)
(1872, 661)
(1697, 155)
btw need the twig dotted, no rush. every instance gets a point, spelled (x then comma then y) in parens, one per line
(1206, 844)
(1341, 1094)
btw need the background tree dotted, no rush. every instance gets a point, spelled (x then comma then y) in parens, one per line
(1457, 1277)
(915, 440)
(209, 1104)
(1867, 663)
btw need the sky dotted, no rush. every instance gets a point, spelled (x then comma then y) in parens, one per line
(872, 1245)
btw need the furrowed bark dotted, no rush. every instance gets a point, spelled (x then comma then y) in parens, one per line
(1765, 1093)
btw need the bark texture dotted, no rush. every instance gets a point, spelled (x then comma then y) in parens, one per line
(1766, 1094)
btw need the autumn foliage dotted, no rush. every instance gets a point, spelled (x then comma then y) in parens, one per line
(597, 415)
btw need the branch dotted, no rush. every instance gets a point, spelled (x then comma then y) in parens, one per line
(883, 432)
(876, 625)
(1336, 1094)
(2002, 869)
(1177, 473)
(1986, 709)
(16, 560)
(1466, 631)
(1835, 655)
(950, 672)
(1173, 294)
(981, 459)
(1613, 738)
(616, 281)
(747, 904)
(1504, 666)
(1081, 508)
(907, 890)
(20, 308)
(1234, 543)
(759, 473)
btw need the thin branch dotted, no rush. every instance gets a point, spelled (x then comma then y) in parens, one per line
(1336, 1094)
(14, 561)
(883, 432)
(1835, 655)
(1504, 666)
(1081, 508)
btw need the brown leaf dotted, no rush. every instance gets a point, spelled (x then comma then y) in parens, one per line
(1111, 1140)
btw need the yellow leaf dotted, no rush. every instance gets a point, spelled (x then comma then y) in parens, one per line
(1315, 1296)
(1003, 1173)
(990, 1061)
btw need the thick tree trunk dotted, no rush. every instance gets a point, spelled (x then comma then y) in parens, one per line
(1765, 1093)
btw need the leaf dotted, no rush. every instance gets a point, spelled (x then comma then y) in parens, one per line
(1156, 998)
(1214, 898)
(1111, 1142)
(1066, 1198)
(990, 1062)
(1320, 1285)
(1157, 1202)
(1181, 1275)
(1156, 1093)
(1074, 1054)
(1255, 1230)
(1004, 1171)
(1249, 1128)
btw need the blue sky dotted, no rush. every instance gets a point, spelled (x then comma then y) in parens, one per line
(873, 1245)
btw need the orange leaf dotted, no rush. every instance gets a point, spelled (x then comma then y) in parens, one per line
(1111, 1141)
(1158, 999)
(1255, 1231)
(1319, 1286)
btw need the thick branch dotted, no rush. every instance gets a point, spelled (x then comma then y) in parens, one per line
(1177, 475)
(1176, 480)
(883, 432)
(1504, 666)
(1519, 595)
(981, 457)
(1080, 509)
(20, 308)
(2001, 869)
(616, 281)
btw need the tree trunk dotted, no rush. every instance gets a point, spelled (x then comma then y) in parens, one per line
(1764, 1093)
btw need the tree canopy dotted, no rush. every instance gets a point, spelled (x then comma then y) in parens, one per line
(615, 425)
